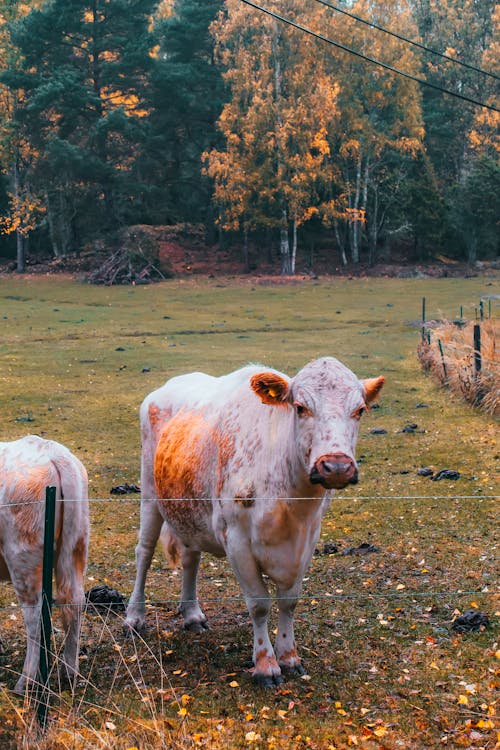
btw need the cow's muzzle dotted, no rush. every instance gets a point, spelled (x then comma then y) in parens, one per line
(334, 471)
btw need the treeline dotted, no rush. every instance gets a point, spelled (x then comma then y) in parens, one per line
(122, 112)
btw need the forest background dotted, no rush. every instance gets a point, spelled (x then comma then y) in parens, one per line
(210, 113)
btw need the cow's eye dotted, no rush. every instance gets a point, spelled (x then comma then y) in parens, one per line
(302, 411)
(357, 414)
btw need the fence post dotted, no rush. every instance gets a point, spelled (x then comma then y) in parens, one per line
(479, 394)
(46, 614)
(442, 360)
(477, 349)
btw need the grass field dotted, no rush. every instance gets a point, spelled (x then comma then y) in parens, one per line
(385, 668)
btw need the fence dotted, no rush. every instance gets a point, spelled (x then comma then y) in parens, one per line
(43, 688)
(463, 355)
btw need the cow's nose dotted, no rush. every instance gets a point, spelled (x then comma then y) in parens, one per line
(334, 471)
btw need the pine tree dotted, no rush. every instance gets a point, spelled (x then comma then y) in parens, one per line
(84, 73)
(187, 96)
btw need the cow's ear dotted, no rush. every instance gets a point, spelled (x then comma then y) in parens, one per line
(373, 386)
(270, 387)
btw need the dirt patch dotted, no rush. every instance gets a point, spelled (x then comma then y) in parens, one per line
(184, 251)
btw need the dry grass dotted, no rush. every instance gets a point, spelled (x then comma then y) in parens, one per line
(386, 669)
(454, 365)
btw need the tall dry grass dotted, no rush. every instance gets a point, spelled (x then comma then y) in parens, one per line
(454, 365)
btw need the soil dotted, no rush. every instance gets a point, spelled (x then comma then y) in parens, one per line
(182, 252)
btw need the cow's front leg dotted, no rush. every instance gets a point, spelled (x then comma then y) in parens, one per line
(266, 668)
(286, 650)
(149, 531)
(194, 618)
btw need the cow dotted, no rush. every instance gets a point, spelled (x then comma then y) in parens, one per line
(27, 467)
(244, 466)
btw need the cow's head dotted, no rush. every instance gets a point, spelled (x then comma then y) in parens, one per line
(328, 401)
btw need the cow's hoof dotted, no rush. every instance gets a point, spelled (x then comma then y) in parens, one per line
(197, 626)
(268, 681)
(289, 670)
(132, 629)
(20, 689)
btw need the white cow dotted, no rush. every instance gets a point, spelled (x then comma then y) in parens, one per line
(242, 448)
(27, 467)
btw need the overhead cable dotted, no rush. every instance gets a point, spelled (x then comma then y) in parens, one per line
(402, 38)
(372, 60)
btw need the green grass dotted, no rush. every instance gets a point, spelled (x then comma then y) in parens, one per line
(385, 670)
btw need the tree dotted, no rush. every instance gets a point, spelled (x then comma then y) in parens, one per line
(282, 105)
(475, 210)
(380, 118)
(22, 209)
(187, 98)
(83, 78)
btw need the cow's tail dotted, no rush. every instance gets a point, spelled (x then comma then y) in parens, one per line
(72, 534)
(172, 546)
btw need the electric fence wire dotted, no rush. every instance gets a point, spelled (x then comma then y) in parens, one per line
(336, 498)
(327, 40)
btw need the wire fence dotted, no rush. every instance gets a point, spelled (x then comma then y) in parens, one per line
(337, 498)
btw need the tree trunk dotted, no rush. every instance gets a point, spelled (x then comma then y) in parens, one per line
(294, 245)
(373, 230)
(286, 265)
(340, 243)
(354, 220)
(20, 247)
(246, 259)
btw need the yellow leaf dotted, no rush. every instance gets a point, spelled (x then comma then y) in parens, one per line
(234, 684)
(463, 700)
(485, 724)
(185, 698)
(182, 711)
(380, 731)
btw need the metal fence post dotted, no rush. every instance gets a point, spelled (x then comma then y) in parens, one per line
(46, 614)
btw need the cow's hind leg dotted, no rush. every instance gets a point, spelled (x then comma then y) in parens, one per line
(150, 527)
(266, 668)
(194, 618)
(285, 647)
(71, 602)
(28, 591)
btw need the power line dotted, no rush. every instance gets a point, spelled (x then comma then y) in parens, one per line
(381, 64)
(402, 38)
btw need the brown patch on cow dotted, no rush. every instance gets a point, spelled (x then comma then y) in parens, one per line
(80, 556)
(182, 446)
(158, 418)
(289, 657)
(33, 583)
(373, 386)
(265, 663)
(246, 499)
(278, 525)
(271, 388)
(24, 493)
(226, 450)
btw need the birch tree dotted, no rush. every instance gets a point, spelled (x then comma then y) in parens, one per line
(282, 106)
